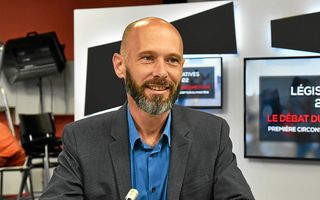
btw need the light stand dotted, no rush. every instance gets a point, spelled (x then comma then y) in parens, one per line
(41, 95)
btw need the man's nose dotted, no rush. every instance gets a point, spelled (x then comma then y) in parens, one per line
(160, 69)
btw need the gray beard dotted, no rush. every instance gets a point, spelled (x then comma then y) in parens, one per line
(155, 105)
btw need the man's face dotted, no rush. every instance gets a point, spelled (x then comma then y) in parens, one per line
(153, 60)
(157, 104)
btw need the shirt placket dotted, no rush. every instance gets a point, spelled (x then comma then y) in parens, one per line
(153, 182)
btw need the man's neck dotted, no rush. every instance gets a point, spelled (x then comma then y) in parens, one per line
(149, 126)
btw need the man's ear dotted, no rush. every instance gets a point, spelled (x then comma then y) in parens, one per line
(118, 65)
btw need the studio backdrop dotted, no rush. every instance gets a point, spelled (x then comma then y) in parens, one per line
(206, 28)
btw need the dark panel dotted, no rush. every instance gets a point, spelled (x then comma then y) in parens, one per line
(104, 89)
(209, 32)
(299, 32)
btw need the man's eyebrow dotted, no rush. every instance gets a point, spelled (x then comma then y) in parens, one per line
(145, 52)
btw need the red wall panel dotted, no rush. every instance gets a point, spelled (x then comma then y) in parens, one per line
(18, 17)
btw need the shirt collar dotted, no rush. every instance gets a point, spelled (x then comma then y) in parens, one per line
(133, 132)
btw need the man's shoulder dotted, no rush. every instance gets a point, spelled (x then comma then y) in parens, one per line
(100, 121)
(195, 114)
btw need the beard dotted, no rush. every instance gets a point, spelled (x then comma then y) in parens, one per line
(157, 103)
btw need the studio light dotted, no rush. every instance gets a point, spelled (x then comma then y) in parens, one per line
(33, 56)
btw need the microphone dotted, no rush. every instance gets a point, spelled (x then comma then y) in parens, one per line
(132, 194)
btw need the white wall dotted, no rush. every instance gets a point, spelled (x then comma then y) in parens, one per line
(276, 180)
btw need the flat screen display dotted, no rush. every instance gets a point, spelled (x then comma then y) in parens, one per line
(282, 107)
(201, 84)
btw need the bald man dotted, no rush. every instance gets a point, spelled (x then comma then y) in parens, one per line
(163, 150)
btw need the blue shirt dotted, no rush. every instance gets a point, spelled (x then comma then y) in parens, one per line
(149, 165)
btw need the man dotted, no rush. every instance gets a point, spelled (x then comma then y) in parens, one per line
(163, 150)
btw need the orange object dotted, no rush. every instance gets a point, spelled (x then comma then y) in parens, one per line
(11, 152)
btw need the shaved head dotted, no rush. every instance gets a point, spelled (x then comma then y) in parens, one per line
(144, 23)
(150, 62)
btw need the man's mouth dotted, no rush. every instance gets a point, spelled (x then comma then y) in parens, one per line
(157, 87)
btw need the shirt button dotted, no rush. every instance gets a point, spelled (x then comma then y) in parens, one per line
(153, 190)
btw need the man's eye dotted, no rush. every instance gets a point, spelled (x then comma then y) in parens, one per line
(173, 60)
(147, 58)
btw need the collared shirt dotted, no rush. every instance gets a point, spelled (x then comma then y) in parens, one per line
(149, 165)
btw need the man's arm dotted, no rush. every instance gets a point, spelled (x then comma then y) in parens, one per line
(66, 182)
(229, 181)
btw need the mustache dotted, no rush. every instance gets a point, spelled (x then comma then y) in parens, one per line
(158, 81)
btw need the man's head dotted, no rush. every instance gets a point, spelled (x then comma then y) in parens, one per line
(150, 61)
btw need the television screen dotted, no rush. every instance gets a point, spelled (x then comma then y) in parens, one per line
(201, 84)
(282, 107)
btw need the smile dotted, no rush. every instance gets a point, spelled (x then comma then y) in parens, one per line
(157, 87)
